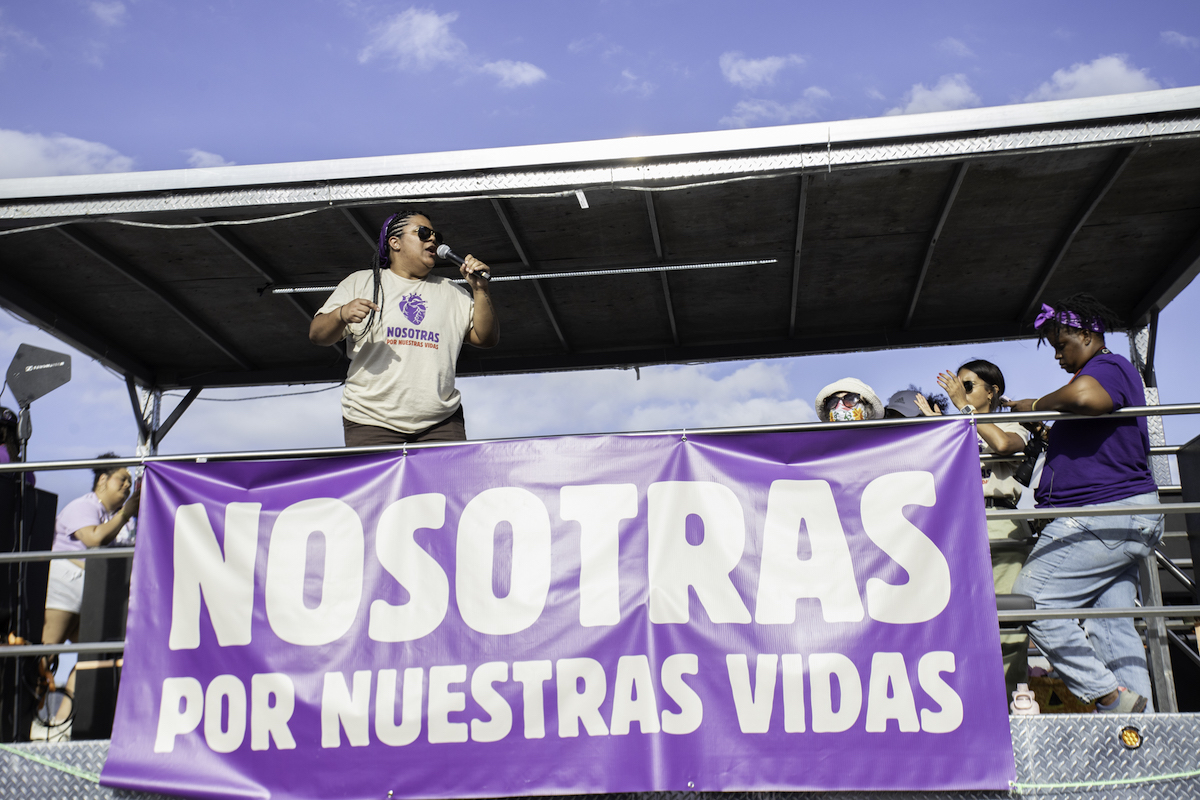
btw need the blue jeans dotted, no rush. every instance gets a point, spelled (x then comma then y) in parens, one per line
(1092, 562)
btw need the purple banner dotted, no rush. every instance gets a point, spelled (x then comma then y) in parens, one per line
(786, 611)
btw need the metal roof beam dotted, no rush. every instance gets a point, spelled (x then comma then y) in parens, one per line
(54, 319)
(360, 225)
(658, 250)
(1115, 167)
(1175, 278)
(654, 231)
(256, 263)
(137, 276)
(801, 206)
(478, 364)
(139, 413)
(947, 203)
(242, 251)
(502, 213)
(162, 430)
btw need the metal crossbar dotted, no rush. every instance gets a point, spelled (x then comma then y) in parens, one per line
(1093, 511)
(1143, 612)
(55, 555)
(319, 452)
(1182, 612)
(83, 648)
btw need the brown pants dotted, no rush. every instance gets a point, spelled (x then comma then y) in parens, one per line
(452, 429)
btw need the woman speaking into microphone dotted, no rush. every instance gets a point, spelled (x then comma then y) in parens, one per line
(404, 328)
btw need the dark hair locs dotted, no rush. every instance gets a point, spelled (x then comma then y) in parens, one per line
(991, 374)
(101, 472)
(381, 259)
(1087, 308)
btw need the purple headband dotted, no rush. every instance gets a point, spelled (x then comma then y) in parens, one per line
(382, 252)
(1068, 318)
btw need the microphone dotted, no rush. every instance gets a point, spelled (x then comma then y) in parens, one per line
(444, 252)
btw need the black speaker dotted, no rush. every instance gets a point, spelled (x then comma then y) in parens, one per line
(18, 676)
(101, 619)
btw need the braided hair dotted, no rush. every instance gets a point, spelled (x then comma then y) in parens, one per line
(1090, 311)
(381, 259)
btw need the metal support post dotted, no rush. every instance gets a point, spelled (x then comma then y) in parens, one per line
(1158, 653)
(1141, 353)
(151, 412)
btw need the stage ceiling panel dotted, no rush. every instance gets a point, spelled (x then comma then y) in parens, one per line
(865, 234)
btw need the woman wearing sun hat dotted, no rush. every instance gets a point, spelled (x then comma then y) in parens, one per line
(847, 400)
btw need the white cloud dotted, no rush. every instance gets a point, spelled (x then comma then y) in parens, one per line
(10, 36)
(199, 159)
(875, 94)
(951, 92)
(749, 73)
(1177, 39)
(514, 73)
(955, 47)
(31, 155)
(1106, 75)
(298, 419)
(420, 39)
(596, 41)
(749, 113)
(666, 398)
(415, 39)
(109, 13)
(632, 84)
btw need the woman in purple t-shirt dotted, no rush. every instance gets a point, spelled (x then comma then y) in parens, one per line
(93, 520)
(1081, 562)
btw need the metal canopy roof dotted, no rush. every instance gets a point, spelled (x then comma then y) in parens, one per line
(885, 232)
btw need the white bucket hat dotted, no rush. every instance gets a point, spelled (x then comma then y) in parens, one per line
(850, 385)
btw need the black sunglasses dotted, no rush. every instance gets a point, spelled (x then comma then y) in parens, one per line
(425, 234)
(969, 386)
(849, 398)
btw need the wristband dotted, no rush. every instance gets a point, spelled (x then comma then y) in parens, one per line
(1033, 406)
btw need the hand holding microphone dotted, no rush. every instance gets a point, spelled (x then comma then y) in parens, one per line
(446, 253)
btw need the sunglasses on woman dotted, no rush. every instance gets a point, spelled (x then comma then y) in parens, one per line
(425, 234)
(849, 398)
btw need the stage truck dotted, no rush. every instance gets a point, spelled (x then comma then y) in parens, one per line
(773, 609)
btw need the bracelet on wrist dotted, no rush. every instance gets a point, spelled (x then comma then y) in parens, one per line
(1033, 406)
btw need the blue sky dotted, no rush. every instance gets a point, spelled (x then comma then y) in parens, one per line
(118, 85)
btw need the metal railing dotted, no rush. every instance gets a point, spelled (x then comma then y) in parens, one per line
(1153, 611)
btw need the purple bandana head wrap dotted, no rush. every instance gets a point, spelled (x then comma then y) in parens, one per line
(1068, 318)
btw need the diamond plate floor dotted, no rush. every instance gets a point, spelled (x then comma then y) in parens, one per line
(1057, 756)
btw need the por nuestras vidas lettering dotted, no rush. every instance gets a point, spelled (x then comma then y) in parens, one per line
(580, 693)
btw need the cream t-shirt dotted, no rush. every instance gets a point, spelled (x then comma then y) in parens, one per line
(401, 372)
(998, 480)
